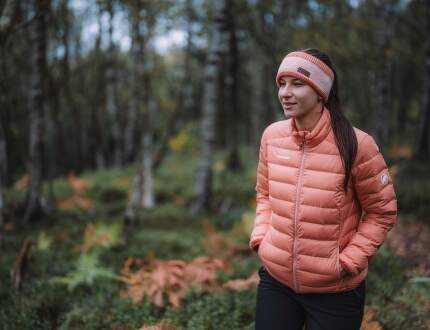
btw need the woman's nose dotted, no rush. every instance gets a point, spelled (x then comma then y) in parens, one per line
(285, 90)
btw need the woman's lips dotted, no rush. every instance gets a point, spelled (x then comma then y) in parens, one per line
(288, 104)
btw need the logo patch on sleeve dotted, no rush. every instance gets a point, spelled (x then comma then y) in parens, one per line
(384, 179)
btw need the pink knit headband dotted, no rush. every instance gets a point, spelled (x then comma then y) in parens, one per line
(309, 69)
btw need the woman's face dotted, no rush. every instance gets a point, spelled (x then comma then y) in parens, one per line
(298, 99)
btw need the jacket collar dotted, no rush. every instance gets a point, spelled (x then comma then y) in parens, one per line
(317, 134)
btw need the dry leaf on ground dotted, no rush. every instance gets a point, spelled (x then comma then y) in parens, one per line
(243, 283)
(160, 325)
(173, 278)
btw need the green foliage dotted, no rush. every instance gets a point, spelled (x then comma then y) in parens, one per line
(227, 310)
(413, 189)
(168, 216)
(174, 179)
(44, 241)
(168, 231)
(87, 270)
(103, 236)
(181, 244)
(60, 188)
(400, 303)
(407, 308)
(87, 267)
(385, 277)
(185, 141)
(109, 192)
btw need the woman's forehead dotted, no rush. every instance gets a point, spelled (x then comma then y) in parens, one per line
(289, 78)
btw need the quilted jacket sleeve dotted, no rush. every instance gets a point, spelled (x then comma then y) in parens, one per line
(375, 192)
(263, 210)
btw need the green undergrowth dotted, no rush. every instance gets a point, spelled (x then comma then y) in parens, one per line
(67, 288)
(412, 185)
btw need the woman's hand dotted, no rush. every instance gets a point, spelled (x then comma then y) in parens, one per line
(343, 273)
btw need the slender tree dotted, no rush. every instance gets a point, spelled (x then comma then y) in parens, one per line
(138, 42)
(422, 151)
(217, 48)
(231, 90)
(3, 170)
(98, 108)
(111, 92)
(143, 195)
(382, 74)
(7, 21)
(38, 32)
(69, 103)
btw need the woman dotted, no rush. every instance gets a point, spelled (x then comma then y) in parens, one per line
(315, 176)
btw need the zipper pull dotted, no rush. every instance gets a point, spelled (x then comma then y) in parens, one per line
(302, 145)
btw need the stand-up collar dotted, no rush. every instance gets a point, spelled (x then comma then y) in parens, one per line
(317, 134)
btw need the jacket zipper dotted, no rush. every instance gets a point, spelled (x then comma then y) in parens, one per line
(298, 188)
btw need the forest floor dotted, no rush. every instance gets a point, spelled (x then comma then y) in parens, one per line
(87, 270)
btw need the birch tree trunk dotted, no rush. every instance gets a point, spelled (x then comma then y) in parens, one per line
(422, 151)
(111, 99)
(203, 183)
(148, 196)
(137, 54)
(143, 195)
(231, 88)
(98, 112)
(34, 203)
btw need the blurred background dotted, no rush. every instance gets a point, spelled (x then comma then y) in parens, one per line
(129, 138)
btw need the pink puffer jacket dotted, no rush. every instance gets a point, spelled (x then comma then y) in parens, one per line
(305, 225)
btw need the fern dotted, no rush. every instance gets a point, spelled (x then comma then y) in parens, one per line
(87, 270)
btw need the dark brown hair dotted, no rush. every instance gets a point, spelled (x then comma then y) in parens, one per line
(346, 139)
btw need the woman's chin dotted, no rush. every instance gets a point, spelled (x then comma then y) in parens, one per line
(289, 112)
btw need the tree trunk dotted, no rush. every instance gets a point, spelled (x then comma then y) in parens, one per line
(143, 188)
(422, 151)
(257, 105)
(231, 88)
(98, 109)
(382, 106)
(7, 17)
(3, 170)
(148, 195)
(38, 64)
(111, 97)
(137, 54)
(203, 183)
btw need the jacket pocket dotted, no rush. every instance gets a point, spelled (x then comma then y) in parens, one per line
(338, 263)
(260, 247)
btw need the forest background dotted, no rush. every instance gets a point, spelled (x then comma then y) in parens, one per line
(129, 136)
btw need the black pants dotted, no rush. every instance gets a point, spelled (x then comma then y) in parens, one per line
(279, 307)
